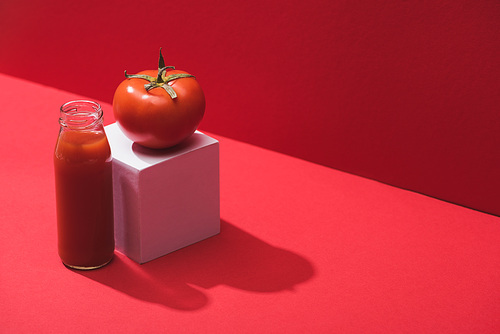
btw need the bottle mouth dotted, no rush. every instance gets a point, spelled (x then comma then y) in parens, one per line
(80, 114)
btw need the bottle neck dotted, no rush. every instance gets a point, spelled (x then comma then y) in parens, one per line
(81, 115)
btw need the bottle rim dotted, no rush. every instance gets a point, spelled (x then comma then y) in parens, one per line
(80, 114)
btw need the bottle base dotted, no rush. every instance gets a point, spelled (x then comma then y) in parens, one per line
(86, 268)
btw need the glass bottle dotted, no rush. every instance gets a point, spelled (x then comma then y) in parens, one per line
(84, 189)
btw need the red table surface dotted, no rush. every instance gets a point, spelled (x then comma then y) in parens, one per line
(303, 249)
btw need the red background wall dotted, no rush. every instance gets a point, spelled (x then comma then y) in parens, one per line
(405, 92)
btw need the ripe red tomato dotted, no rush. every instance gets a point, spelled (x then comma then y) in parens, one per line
(159, 109)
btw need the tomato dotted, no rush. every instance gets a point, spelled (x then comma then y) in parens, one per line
(159, 109)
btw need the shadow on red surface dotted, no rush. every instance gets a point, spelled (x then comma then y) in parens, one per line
(234, 258)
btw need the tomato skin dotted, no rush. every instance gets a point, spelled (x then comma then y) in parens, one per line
(152, 118)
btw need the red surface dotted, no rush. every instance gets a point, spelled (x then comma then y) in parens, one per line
(303, 249)
(405, 92)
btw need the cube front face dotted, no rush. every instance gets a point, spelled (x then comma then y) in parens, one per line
(180, 204)
(170, 203)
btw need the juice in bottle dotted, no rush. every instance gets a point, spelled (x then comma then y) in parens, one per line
(84, 189)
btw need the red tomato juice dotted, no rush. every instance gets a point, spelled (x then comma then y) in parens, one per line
(84, 195)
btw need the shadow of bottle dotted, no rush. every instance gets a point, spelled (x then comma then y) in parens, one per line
(234, 258)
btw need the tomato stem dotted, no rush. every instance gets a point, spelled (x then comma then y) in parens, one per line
(139, 76)
(161, 79)
(161, 62)
(170, 91)
(161, 73)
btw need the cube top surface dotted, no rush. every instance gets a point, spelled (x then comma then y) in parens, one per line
(140, 157)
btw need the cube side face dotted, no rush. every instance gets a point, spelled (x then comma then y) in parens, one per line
(180, 202)
(126, 210)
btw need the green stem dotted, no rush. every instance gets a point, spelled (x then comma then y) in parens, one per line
(161, 79)
(176, 76)
(170, 91)
(161, 62)
(161, 73)
(139, 76)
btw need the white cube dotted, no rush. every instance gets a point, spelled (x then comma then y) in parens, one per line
(164, 199)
